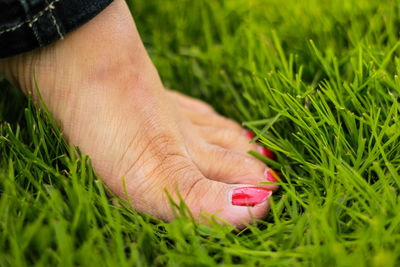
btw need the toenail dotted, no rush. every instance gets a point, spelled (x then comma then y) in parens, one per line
(248, 134)
(249, 196)
(271, 175)
(266, 152)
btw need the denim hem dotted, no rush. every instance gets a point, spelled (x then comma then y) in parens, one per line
(31, 20)
(28, 24)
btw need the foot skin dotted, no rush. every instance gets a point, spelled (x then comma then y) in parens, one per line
(100, 83)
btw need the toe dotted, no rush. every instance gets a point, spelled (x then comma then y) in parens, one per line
(233, 167)
(237, 204)
(260, 149)
(213, 120)
(226, 138)
(189, 103)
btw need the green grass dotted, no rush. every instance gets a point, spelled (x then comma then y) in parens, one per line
(316, 80)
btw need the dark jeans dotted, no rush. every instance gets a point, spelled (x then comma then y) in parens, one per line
(27, 24)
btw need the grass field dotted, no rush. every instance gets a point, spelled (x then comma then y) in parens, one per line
(316, 80)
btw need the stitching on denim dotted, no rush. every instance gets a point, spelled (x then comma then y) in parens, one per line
(24, 4)
(54, 20)
(34, 19)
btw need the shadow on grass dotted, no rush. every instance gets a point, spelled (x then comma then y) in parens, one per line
(12, 102)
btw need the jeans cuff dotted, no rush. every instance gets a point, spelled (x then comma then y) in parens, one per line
(28, 24)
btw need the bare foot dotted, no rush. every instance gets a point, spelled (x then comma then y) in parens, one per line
(100, 83)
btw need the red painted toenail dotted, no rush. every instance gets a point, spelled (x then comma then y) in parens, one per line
(248, 134)
(266, 152)
(271, 175)
(249, 196)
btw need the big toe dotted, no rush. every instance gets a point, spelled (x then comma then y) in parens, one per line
(237, 204)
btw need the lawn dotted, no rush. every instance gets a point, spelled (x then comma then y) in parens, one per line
(317, 81)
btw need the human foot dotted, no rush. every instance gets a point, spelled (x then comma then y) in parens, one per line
(100, 83)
